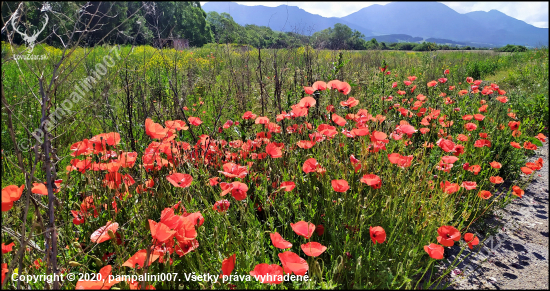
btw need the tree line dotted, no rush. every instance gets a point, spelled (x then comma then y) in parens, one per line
(141, 22)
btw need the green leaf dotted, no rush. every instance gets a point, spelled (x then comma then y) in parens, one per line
(535, 141)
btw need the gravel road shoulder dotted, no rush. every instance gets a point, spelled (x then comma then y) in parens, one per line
(516, 255)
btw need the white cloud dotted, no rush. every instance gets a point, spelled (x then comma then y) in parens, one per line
(534, 13)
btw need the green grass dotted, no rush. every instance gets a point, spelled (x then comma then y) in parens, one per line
(217, 84)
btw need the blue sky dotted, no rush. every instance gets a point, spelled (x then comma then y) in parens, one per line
(534, 13)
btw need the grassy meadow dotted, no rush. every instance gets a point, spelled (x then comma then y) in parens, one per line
(410, 146)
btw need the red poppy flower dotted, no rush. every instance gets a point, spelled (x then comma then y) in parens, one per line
(470, 126)
(533, 166)
(102, 233)
(292, 263)
(7, 248)
(183, 248)
(496, 180)
(238, 190)
(249, 115)
(351, 102)
(186, 231)
(399, 160)
(448, 235)
(541, 137)
(11, 194)
(517, 191)
(435, 251)
(111, 138)
(446, 145)
(160, 231)
(180, 180)
(448, 187)
(502, 99)
(104, 283)
(342, 87)
(261, 120)
(303, 228)
(309, 90)
(340, 185)
(273, 150)
(221, 206)
(469, 185)
(232, 170)
(479, 117)
(515, 144)
(449, 159)
(156, 131)
(338, 120)
(169, 219)
(319, 85)
(310, 165)
(279, 242)
(474, 169)
(432, 83)
(176, 124)
(377, 234)
(195, 121)
(305, 144)
(139, 258)
(471, 239)
(214, 181)
(529, 146)
(228, 265)
(484, 194)
(462, 137)
(288, 186)
(526, 170)
(268, 274)
(495, 165)
(313, 249)
(319, 229)
(372, 180)
(307, 102)
(84, 147)
(482, 143)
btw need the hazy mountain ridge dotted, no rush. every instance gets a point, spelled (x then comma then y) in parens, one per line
(429, 20)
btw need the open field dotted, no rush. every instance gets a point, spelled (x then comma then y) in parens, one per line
(209, 154)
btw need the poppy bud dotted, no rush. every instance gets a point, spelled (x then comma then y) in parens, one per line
(76, 244)
(319, 229)
(111, 234)
(98, 262)
(74, 264)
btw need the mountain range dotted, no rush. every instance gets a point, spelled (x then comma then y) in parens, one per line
(413, 21)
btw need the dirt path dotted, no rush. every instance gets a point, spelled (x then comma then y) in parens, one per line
(516, 255)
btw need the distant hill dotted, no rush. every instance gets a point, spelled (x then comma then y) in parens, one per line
(506, 29)
(395, 38)
(391, 22)
(281, 18)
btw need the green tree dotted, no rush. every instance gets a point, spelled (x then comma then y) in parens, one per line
(180, 20)
(225, 29)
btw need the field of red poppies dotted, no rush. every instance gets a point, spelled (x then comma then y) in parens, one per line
(344, 188)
